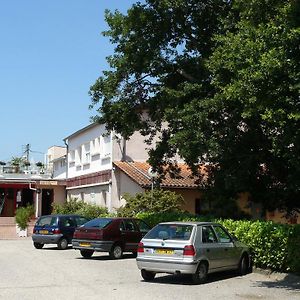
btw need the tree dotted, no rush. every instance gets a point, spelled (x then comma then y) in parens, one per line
(224, 77)
(156, 201)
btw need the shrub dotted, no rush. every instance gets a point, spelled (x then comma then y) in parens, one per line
(156, 201)
(75, 206)
(154, 218)
(23, 216)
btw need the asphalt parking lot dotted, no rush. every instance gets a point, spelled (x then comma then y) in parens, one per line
(28, 273)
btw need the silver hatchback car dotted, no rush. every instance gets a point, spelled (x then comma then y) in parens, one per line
(196, 248)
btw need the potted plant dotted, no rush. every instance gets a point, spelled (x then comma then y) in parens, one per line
(23, 216)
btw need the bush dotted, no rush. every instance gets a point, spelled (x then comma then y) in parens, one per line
(75, 206)
(23, 216)
(274, 246)
(156, 201)
(154, 218)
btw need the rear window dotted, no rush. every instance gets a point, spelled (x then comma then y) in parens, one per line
(170, 232)
(47, 221)
(97, 223)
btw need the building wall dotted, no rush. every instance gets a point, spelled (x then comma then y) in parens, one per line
(59, 168)
(89, 151)
(122, 184)
(99, 195)
(55, 152)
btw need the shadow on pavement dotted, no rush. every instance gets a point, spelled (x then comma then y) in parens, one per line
(105, 257)
(289, 282)
(187, 280)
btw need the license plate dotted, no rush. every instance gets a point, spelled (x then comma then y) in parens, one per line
(84, 244)
(44, 231)
(164, 251)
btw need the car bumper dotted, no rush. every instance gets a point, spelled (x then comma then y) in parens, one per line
(172, 267)
(46, 239)
(100, 246)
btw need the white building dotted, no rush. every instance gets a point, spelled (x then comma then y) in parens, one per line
(91, 152)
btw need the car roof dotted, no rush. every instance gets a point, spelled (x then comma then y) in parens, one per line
(189, 223)
(61, 215)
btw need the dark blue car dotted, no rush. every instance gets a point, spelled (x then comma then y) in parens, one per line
(56, 229)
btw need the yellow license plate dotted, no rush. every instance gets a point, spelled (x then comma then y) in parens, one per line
(44, 231)
(84, 244)
(164, 251)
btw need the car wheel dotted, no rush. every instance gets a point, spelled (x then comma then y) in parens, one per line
(116, 252)
(201, 274)
(86, 253)
(62, 244)
(243, 265)
(147, 275)
(38, 245)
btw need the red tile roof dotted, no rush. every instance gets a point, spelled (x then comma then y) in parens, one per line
(138, 172)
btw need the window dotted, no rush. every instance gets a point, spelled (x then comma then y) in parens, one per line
(98, 223)
(80, 220)
(95, 146)
(170, 232)
(72, 155)
(208, 235)
(87, 154)
(223, 236)
(68, 222)
(127, 225)
(47, 221)
(106, 145)
(144, 228)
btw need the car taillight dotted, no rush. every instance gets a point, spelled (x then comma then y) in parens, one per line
(140, 248)
(189, 250)
(56, 231)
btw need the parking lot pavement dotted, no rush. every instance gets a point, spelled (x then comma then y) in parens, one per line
(28, 273)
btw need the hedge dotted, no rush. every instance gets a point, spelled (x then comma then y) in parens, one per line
(274, 246)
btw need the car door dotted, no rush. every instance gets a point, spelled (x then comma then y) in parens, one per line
(226, 245)
(130, 235)
(68, 226)
(210, 247)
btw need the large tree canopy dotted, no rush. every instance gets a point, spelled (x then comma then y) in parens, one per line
(224, 76)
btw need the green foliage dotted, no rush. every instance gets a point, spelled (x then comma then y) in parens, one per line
(224, 76)
(273, 246)
(75, 206)
(156, 201)
(23, 216)
(154, 218)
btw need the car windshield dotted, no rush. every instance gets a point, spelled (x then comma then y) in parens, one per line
(170, 232)
(98, 223)
(47, 221)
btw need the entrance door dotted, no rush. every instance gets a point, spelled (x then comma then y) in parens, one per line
(47, 199)
(27, 197)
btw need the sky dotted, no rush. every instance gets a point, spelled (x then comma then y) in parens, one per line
(51, 52)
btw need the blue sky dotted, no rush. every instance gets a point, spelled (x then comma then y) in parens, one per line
(51, 53)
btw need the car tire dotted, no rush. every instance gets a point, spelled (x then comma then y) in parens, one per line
(62, 244)
(201, 274)
(243, 265)
(147, 275)
(38, 245)
(116, 252)
(86, 253)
